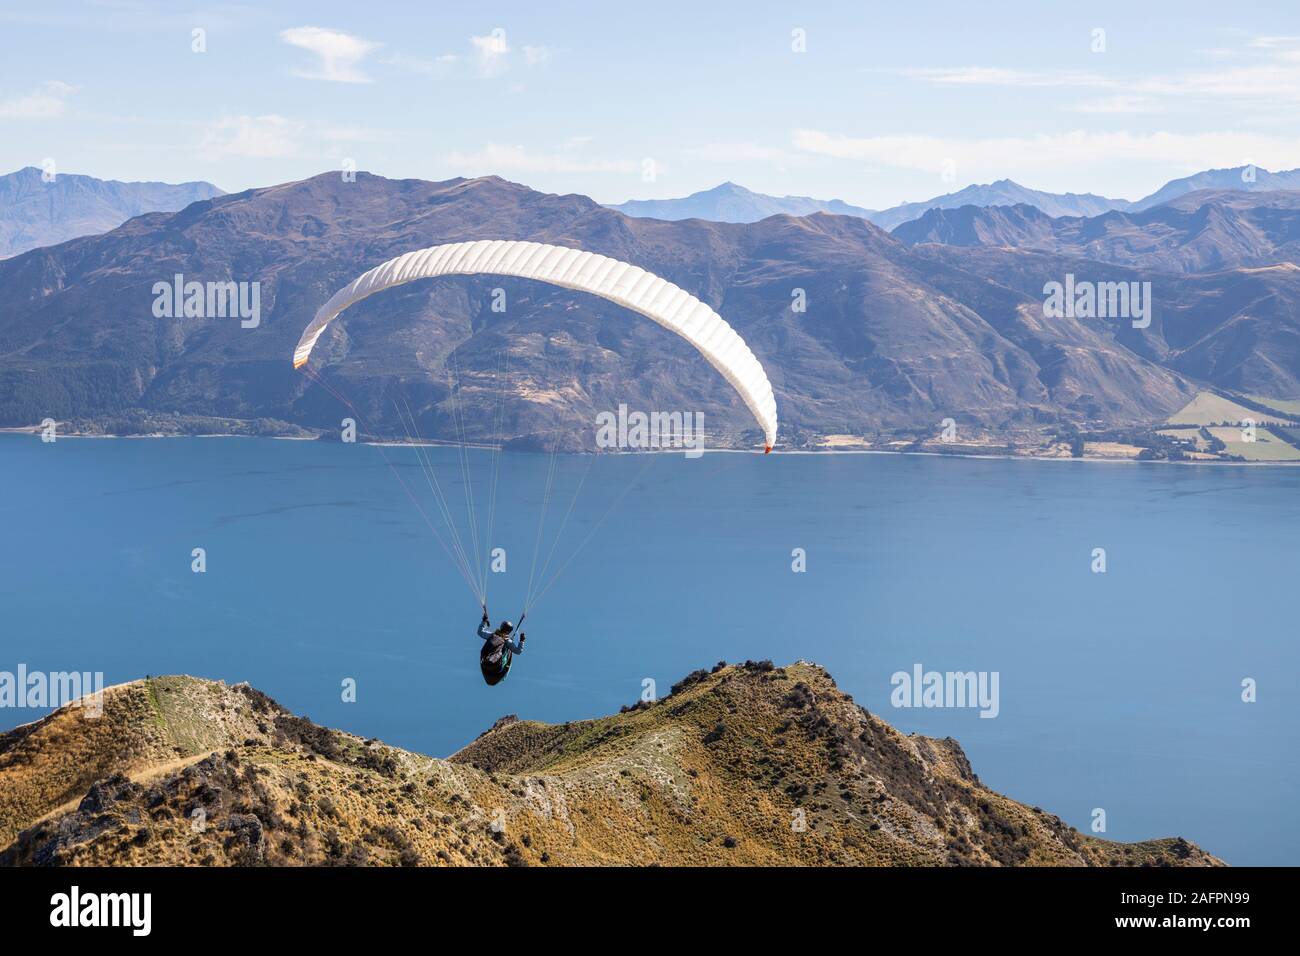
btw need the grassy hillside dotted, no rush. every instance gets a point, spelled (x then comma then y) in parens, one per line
(1267, 445)
(1289, 406)
(1208, 408)
(145, 725)
(746, 765)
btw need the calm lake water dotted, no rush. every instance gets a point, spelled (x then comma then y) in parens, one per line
(1119, 690)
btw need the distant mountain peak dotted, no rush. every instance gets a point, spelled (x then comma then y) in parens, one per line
(1246, 178)
(34, 212)
(1202, 231)
(731, 202)
(1001, 192)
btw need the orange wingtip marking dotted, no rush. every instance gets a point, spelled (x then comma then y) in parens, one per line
(300, 363)
(767, 449)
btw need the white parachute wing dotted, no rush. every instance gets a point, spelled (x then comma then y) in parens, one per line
(619, 282)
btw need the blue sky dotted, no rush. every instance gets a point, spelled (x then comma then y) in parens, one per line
(888, 102)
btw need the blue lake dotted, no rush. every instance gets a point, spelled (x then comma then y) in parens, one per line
(1119, 691)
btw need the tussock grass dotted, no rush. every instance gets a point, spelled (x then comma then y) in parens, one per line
(741, 765)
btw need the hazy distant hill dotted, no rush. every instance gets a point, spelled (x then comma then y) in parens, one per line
(1004, 192)
(1239, 178)
(36, 213)
(746, 765)
(1203, 231)
(732, 203)
(890, 338)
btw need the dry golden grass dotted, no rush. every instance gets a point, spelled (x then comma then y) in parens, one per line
(1110, 449)
(1208, 408)
(844, 441)
(145, 723)
(747, 765)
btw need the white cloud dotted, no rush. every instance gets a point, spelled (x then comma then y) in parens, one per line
(272, 136)
(423, 66)
(491, 56)
(496, 157)
(47, 101)
(1265, 84)
(1119, 104)
(739, 152)
(997, 76)
(1265, 74)
(1273, 42)
(339, 54)
(536, 55)
(990, 158)
(252, 137)
(491, 52)
(353, 134)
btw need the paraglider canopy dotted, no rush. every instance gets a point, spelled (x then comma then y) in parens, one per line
(619, 282)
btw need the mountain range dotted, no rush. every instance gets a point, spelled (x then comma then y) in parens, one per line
(1237, 179)
(895, 335)
(890, 338)
(747, 764)
(1203, 231)
(1004, 192)
(732, 203)
(36, 210)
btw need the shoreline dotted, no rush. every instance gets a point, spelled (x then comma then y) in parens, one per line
(433, 443)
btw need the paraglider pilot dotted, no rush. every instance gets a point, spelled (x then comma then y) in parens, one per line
(498, 649)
